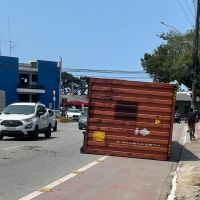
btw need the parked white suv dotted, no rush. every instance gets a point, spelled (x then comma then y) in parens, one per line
(25, 119)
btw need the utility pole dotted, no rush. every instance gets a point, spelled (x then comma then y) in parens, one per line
(195, 66)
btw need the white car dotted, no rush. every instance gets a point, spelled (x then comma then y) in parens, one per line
(73, 114)
(52, 119)
(25, 119)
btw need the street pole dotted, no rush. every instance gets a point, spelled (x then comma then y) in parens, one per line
(195, 66)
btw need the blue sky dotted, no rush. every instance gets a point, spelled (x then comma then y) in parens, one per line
(92, 34)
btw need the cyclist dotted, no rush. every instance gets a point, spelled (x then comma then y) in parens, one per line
(191, 120)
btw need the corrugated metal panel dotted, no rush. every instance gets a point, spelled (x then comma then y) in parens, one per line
(132, 119)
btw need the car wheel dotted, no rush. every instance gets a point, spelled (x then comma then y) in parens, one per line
(48, 132)
(34, 135)
(55, 127)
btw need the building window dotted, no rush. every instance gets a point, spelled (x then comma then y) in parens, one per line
(24, 80)
(34, 98)
(23, 97)
(34, 78)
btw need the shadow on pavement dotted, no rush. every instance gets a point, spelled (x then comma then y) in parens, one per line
(176, 149)
(180, 153)
(188, 155)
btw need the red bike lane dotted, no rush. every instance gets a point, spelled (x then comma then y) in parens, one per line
(114, 178)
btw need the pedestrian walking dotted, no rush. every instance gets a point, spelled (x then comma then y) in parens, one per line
(191, 120)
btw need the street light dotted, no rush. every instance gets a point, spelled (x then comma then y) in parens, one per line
(163, 23)
(176, 30)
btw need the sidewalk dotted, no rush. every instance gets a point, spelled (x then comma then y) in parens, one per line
(188, 180)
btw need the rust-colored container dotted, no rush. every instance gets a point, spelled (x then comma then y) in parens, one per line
(128, 118)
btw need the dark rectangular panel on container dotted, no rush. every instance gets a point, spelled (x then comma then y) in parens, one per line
(129, 118)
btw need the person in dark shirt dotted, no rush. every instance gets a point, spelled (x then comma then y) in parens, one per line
(177, 117)
(191, 120)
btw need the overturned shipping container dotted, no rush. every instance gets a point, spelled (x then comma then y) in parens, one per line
(131, 119)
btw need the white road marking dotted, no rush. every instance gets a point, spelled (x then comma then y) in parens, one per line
(59, 181)
(15, 147)
(175, 174)
(32, 195)
(173, 190)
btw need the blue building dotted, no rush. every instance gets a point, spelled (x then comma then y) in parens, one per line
(36, 81)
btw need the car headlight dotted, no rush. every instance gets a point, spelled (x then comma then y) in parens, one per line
(29, 126)
(29, 123)
(28, 120)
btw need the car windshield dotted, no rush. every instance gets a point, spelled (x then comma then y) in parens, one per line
(20, 109)
(73, 110)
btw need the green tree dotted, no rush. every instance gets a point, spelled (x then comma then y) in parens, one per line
(73, 85)
(83, 86)
(172, 60)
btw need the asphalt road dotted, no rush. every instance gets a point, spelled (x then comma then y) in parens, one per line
(27, 165)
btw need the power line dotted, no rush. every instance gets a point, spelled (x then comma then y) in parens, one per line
(189, 9)
(109, 74)
(145, 77)
(102, 71)
(121, 77)
(185, 13)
